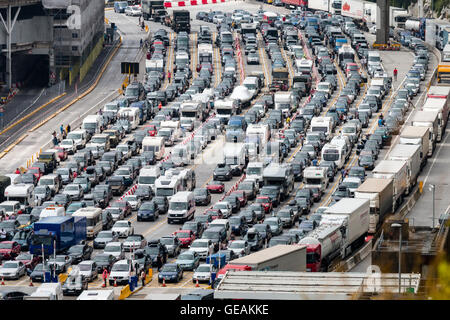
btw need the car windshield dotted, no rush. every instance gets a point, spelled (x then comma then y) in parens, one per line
(113, 248)
(120, 224)
(76, 249)
(10, 265)
(169, 268)
(284, 214)
(8, 224)
(178, 205)
(199, 244)
(72, 188)
(120, 267)
(237, 245)
(24, 256)
(85, 267)
(203, 268)
(182, 235)
(134, 238)
(4, 245)
(104, 235)
(186, 256)
(101, 258)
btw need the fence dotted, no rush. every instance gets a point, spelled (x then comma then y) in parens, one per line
(91, 58)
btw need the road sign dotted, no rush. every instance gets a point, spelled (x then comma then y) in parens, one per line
(129, 67)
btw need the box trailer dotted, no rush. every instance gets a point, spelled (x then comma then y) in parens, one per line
(352, 215)
(396, 170)
(380, 193)
(420, 136)
(276, 258)
(429, 119)
(441, 106)
(410, 154)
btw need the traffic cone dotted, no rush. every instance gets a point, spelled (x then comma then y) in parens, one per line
(196, 284)
(31, 283)
(164, 282)
(115, 282)
(3, 281)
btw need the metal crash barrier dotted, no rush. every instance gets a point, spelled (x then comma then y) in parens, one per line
(388, 47)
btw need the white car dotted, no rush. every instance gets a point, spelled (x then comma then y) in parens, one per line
(74, 191)
(12, 270)
(125, 149)
(225, 207)
(239, 247)
(88, 269)
(134, 242)
(133, 11)
(115, 249)
(134, 201)
(79, 138)
(203, 247)
(120, 272)
(68, 145)
(123, 228)
(203, 272)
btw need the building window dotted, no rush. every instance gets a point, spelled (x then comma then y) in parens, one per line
(74, 48)
(74, 35)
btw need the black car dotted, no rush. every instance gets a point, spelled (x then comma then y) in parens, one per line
(163, 204)
(308, 225)
(196, 227)
(40, 271)
(155, 247)
(143, 192)
(233, 200)
(222, 172)
(104, 260)
(80, 252)
(238, 225)
(273, 193)
(202, 196)
(305, 193)
(107, 220)
(249, 215)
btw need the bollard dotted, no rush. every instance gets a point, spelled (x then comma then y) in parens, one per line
(420, 186)
(115, 282)
(31, 282)
(3, 281)
(164, 282)
(196, 283)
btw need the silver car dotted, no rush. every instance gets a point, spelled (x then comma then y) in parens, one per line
(12, 270)
(88, 269)
(74, 191)
(203, 272)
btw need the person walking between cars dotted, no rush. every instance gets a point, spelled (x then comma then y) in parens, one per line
(143, 278)
(55, 140)
(169, 75)
(142, 25)
(105, 276)
(395, 74)
(159, 262)
(68, 128)
(61, 128)
(17, 171)
(160, 105)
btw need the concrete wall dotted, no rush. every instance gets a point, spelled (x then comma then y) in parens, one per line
(37, 29)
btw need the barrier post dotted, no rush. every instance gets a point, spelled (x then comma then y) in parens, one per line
(420, 186)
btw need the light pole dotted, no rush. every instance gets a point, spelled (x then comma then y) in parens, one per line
(432, 188)
(399, 227)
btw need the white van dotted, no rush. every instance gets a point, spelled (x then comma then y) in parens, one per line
(156, 145)
(322, 124)
(251, 83)
(131, 114)
(255, 171)
(221, 223)
(96, 295)
(53, 211)
(148, 176)
(52, 181)
(10, 207)
(94, 222)
(175, 126)
(181, 155)
(79, 137)
(181, 207)
(93, 124)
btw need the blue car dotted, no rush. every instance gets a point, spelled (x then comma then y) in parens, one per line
(119, 6)
(148, 211)
(171, 272)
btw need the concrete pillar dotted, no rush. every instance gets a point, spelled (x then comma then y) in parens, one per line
(382, 22)
(9, 26)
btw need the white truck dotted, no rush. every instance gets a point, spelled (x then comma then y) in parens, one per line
(367, 11)
(205, 53)
(181, 155)
(148, 176)
(420, 136)
(242, 95)
(167, 187)
(441, 92)
(410, 154)
(252, 84)
(332, 6)
(439, 105)
(23, 193)
(191, 111)
(428, 119)
(321, 124)
(225, 109)
(174, 125)
(258, 133)
(397, 171)
(154, 65)
(352, 215)
(234, 155)
(283, 102)
(380, 193)
(315, 177)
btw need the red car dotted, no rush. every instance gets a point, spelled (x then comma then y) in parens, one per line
(9, 249)
(240, 194)
(62, 153)
(186, 237)
(30, 261)
(151, 129)
(266, 203)
(215, 213)
(36, 171)
(216, 187)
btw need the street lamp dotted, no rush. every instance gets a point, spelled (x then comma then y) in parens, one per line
(432, 188)
(399, 226)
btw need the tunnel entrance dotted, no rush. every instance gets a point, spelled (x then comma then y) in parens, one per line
(31, 70)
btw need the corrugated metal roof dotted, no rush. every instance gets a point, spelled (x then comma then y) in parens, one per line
(263, 255)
